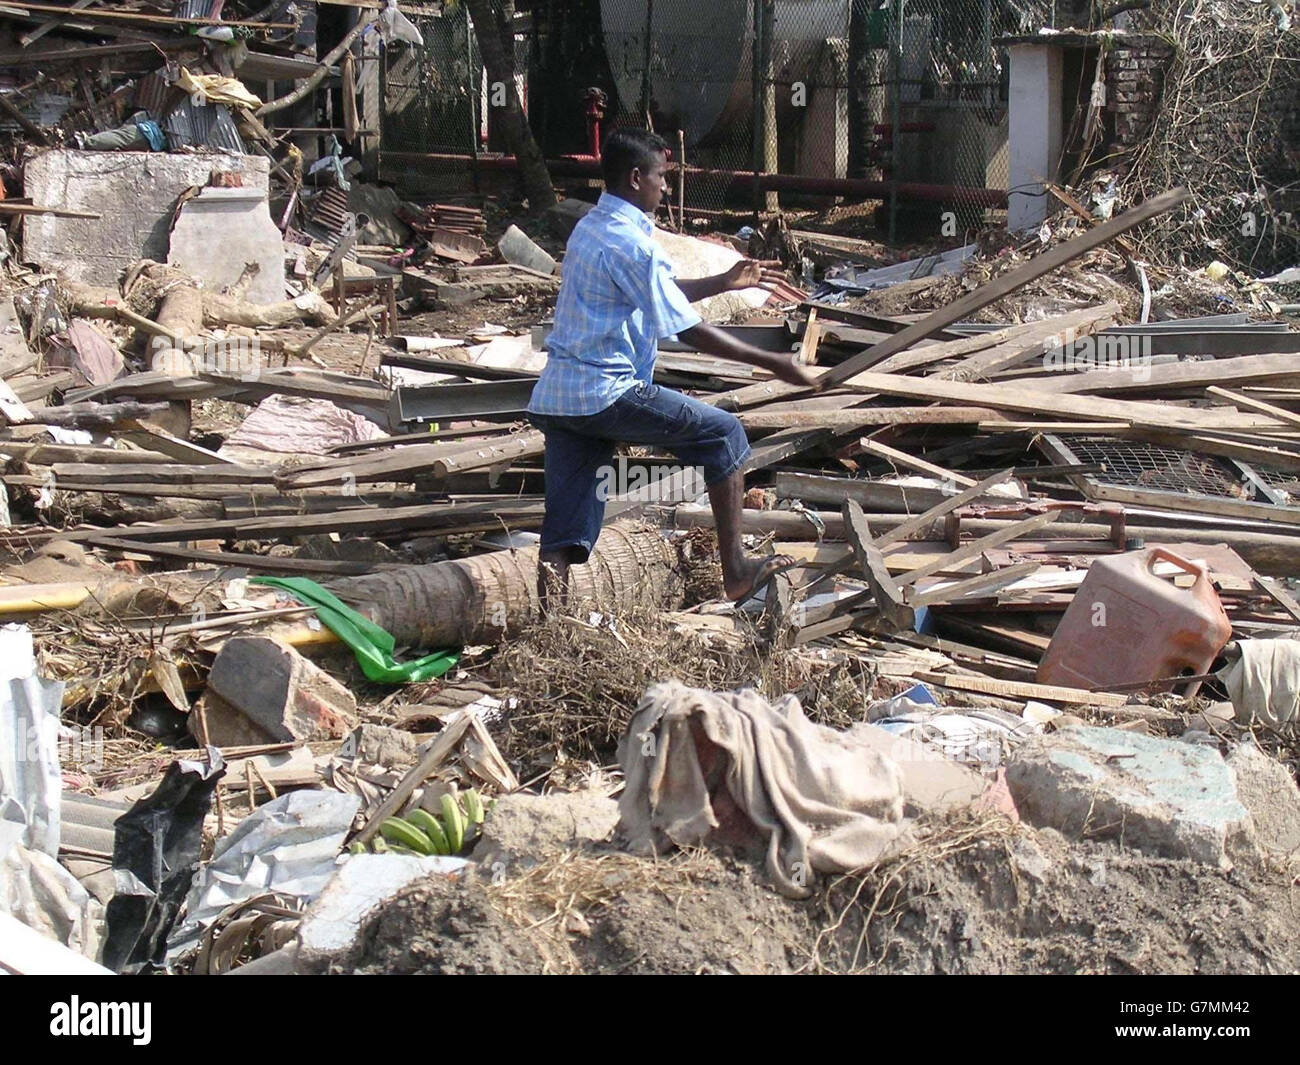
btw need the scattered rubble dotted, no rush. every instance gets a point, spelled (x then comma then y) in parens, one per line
(1027, 702)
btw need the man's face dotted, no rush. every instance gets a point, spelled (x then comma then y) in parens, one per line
(650, 186)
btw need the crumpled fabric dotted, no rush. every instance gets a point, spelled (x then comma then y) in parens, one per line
(700, 764)
(216, 89)
(1264, 680)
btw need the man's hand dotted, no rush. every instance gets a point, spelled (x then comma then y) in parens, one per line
(793, 373)
(750, 273)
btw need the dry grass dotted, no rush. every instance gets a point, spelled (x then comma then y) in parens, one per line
(550, 901)
(578, 683)
(855, 903)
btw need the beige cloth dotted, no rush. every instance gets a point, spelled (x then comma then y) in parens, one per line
(822, 800)
(1264, 683)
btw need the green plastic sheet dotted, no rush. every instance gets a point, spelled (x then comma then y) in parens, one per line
(372, 645)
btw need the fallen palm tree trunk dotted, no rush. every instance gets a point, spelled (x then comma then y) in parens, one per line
(481, 599)
(476, 600)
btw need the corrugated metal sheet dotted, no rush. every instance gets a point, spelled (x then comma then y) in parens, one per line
(193, 9)
(153, 93)
(202, 125)
(331, 210)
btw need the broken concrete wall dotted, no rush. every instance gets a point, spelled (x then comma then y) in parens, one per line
(134, 192)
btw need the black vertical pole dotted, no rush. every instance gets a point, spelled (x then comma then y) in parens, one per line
(756, 120)
(896, 117)
(645, 74)
(472, 85)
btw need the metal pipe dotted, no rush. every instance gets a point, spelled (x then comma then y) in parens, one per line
(578, 166)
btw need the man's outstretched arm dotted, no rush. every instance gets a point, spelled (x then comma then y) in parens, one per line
(748, 273)
(713, 341)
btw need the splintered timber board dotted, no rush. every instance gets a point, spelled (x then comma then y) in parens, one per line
(1006, 284)
(1035, 401)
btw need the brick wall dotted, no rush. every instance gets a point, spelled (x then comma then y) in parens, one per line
(1135, 74)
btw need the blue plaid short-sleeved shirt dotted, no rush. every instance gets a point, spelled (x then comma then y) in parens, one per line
(617, 299)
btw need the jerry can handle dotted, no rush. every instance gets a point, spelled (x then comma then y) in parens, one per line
(1185, 565)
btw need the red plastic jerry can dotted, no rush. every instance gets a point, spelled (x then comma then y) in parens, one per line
(1126, 625)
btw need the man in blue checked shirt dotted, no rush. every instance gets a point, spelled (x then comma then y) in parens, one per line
(618, 298)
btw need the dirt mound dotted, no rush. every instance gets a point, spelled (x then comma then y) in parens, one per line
(610, 913)
(982, 897)
(1030, 902)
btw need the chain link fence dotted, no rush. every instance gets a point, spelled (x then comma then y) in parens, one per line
(906, 96)
(433, 102)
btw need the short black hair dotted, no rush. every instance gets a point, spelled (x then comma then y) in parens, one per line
(626, 150)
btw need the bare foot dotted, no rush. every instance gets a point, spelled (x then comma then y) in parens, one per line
(752, 573)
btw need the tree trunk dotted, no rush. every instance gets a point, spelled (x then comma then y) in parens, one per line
(494, 27)
(484, 598)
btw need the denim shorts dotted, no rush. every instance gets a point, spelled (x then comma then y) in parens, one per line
(579, 450)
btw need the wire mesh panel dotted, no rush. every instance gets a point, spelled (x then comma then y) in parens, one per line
(431, 92)
(1136, 465)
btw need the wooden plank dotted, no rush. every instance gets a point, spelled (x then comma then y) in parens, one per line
(928, 354)
(1011, 689)
(1183, 501)
(1169, 376)
(812, 333)
(977, 547)
(484, 456)
(884, 589)
(161, 473)
(174, 447)
(1039, 402)
(39, 454)
(254, 563)
(1007, 283)
(1280, 595)
(924, 521)
(1033, 344)
(844, 421)
(972, 587)
(135, 18)
(422, 460)
(872, 495)
(455, 517)
(32, 208)
(442, 749)
(1238, 399)
(902, 458)
(829, 627)
(1053, 427)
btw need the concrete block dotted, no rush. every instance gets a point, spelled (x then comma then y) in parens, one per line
(380, 745)
(362, 883)
(134, 192)
(933, 783)
(262, 686)
(1158, 796)
(222, 231)
(521, 829)
(1267, 789)
(517, 247)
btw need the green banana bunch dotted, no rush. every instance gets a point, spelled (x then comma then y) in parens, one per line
(420, 833)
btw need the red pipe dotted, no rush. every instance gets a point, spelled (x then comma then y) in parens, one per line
(744, 179)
